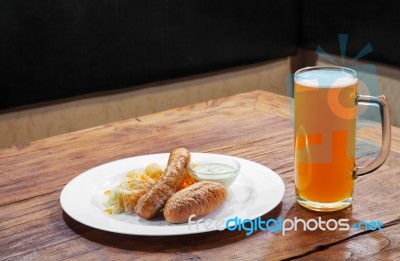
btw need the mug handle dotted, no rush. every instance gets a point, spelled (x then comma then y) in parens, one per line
(382, 104)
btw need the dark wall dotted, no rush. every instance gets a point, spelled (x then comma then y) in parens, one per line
(51, 49)
(365, 21)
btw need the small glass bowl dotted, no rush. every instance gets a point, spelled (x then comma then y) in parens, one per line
(220, 169)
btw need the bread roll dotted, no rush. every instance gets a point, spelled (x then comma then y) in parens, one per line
(199, 199)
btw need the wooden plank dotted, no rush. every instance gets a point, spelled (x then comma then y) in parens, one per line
(33, 225)
(368, 246)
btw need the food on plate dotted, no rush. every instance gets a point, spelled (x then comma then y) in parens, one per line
(148, 191)
(155, 198)
(135, 184)
(220, 169)
(154, 171)
(199, 199)
(187, 181)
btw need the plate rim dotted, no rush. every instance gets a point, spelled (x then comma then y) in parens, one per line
(281, 186)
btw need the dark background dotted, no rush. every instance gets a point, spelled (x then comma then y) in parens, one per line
(58, 49)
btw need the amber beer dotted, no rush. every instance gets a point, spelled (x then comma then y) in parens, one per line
(324, 136)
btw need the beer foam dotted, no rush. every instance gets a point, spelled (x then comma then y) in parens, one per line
(325, 79)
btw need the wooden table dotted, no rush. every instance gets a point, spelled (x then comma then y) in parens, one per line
(254, 125)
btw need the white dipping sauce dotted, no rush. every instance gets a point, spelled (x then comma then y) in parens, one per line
(219, 172)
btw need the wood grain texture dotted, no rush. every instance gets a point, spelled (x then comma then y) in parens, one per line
(254, 125)
(25, 125)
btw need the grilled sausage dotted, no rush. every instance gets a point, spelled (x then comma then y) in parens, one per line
(155, 198)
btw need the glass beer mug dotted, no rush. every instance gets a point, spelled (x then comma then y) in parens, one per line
(325, 111)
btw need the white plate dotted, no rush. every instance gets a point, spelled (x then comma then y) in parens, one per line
(256, 191)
